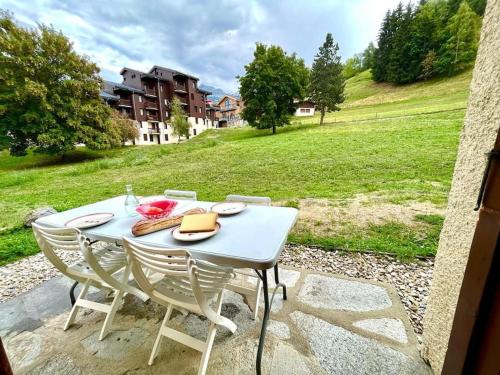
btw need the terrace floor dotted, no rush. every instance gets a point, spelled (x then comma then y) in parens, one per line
(329, 325)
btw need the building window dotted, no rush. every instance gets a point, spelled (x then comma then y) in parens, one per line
(194, 130)
(165, 101)
(166, 113)
(196, 119)
(192, 96)
(140, 99)
(200, 110)
(133, 75)
(151, 138)
(227, 103)
(161, 87)
(141, 111)
(166, 137)
(196, 109)
(194, 86)
(145, 137)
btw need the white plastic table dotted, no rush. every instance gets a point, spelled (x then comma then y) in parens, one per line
(253, 238)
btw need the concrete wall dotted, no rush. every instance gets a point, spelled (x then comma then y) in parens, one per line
(478, 136)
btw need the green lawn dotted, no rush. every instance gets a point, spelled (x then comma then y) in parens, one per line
(375, 185)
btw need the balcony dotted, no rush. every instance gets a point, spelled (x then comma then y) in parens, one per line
(124, 103)
(154, 131)
(183, 103)
(230, 108)
(151, 117)
(150, 92)
(151, 105)
(180, 88)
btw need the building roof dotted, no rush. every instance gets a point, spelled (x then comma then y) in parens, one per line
(205, 91)
(227, 96)
(107, 96)
(173, 71)
(121, 86)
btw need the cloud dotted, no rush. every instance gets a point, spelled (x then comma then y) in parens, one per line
(212, 40)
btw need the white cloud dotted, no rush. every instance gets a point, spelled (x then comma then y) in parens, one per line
(212, 40)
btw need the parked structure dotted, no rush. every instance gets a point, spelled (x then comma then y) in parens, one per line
(305, 107)
(230, 112)
(146, 98)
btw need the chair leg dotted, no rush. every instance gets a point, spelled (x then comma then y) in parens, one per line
(114, 306)
(76, 307)
(159, 337)
(212, 330)
(257, 299)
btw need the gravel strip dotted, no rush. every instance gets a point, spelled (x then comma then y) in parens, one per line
(25, 274)
(411, 280)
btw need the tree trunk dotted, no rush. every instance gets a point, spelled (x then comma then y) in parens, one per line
(322, 116)
(274, 129)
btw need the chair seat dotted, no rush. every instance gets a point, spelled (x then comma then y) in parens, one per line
(111, 258)
(178, 289)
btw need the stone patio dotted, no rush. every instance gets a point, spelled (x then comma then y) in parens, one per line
(328, 325)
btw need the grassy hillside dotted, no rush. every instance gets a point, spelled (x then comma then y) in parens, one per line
(366, 99)
(376, 185)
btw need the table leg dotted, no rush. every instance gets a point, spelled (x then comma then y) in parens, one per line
(267, 310)
(72, 293)
(264, 321)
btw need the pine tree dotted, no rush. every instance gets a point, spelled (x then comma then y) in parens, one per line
(327, 80)
(462, 38)
(383, 50)
(369, 58)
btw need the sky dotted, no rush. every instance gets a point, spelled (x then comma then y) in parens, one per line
(212, 39)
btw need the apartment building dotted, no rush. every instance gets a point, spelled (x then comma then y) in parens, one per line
(230, 112)
(146, 98)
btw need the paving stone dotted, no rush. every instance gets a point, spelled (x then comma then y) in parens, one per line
(287, 360)
(233, 307)
(329, 292)
(277, 302)
(287, 277)
(117, 345)
(391, 328)
(279, 329)
(61, 363)
(26, 348)
(340, 351)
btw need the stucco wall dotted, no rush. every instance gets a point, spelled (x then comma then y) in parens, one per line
(478, 136)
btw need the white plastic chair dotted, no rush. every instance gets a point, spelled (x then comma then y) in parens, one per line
(187, 284)
(238, 285)
(180, 194)
(98, 269)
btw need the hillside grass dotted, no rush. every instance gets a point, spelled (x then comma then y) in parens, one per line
(389, 164)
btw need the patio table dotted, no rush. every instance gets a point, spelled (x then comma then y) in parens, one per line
(253, 239)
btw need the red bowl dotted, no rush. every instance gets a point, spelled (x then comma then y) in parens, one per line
(156, 210)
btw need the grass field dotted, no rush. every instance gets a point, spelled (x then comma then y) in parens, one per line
(379, 185)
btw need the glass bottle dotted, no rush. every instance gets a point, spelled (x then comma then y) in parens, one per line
(131, 202)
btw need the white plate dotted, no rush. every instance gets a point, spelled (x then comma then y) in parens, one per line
(198, 236)
(228, 208)
(89, 221)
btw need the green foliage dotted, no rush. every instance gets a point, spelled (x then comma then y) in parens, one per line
(353, 66)
(462, 39)
(369, 57)
(49, 95)
(437, 37)
(272, 81)
(122, 128)
(327, 80)
(180, 124)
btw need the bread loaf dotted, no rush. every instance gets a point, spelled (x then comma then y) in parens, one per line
(143, 227)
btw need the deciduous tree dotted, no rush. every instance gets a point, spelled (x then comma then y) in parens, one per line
(180, 124)
(327, 80)
(272, 81)
(49, 95)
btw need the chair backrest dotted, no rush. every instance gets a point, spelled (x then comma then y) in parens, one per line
(184, 275)
(51, 239)
(180, 194)
(258, 201)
